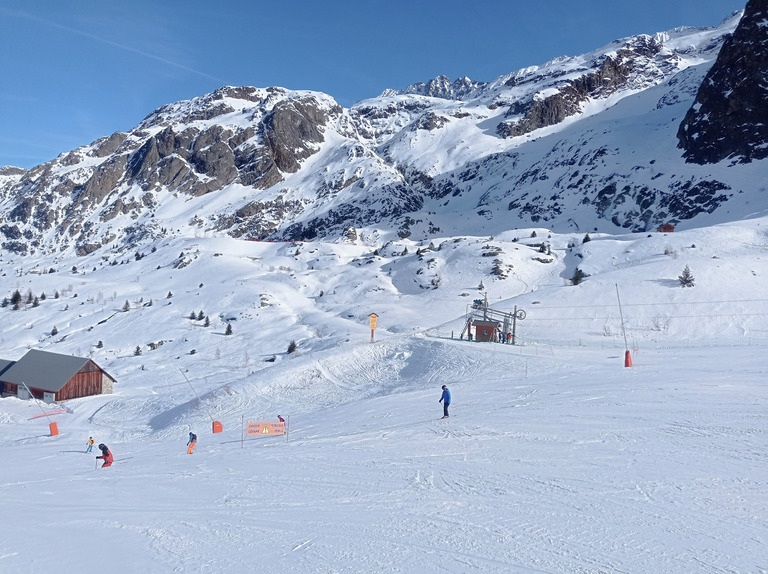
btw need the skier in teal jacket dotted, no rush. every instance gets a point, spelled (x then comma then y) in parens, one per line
(446, 400)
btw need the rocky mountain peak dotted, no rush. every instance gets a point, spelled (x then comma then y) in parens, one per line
(729, 118)
(441, 87)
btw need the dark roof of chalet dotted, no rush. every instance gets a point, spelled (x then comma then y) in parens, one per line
(44, 370)
(5, 365)
(481, 323)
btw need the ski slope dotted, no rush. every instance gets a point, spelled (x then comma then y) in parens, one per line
(556, 458)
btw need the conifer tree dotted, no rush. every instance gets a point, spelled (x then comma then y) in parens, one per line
(686, 279)
(578, 276)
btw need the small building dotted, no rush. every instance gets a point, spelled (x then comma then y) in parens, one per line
(54, 377)
(486, 330)
(666, 228)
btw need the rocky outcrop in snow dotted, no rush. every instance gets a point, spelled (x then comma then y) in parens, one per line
(729, 118)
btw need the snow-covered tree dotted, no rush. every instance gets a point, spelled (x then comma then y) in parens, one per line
(686, 279)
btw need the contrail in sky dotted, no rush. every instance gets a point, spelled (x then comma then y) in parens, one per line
(110, 43)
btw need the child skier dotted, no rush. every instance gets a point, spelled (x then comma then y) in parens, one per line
(106, 455)
(89, 445)
(192, 442)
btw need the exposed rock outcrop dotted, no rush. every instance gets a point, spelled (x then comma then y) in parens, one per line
(613, 74)
(729, 118)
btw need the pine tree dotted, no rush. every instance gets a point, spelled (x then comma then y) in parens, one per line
(99, 345)
(229, 329)
(126, 306)
(137, 351)
(200, 316)
(192, 316)
(292, 347)
(16, 299)
(586, 239)
(207, 322)
(686, 279)
(35, 302)
(54, 331)
(578, 276)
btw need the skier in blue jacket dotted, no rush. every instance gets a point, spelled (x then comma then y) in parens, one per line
(446, 400)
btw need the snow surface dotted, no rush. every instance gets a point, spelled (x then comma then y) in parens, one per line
(556, 458)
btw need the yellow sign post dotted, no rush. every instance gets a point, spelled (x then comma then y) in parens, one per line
(373, 317)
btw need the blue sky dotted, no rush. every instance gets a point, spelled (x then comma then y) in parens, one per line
(71, 72)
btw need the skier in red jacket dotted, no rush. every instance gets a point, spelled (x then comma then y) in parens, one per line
(106, 455)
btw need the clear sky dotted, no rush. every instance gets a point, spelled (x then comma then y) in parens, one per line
(73, 71)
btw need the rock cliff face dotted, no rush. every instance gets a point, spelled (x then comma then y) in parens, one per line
(578, 143)
(631, 67)
(729, 118)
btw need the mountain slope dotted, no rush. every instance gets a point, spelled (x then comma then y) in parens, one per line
(729, 118)
(579, 143)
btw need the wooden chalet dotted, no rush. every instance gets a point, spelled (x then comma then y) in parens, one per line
(666, 228)
(53, 377)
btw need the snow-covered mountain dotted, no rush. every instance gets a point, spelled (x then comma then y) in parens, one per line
(421, 204)
(577, 144)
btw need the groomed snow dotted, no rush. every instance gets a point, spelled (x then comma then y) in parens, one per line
(556, 458)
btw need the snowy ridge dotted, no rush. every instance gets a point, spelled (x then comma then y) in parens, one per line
(545, 145)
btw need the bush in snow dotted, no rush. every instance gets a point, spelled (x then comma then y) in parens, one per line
(578, 276)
